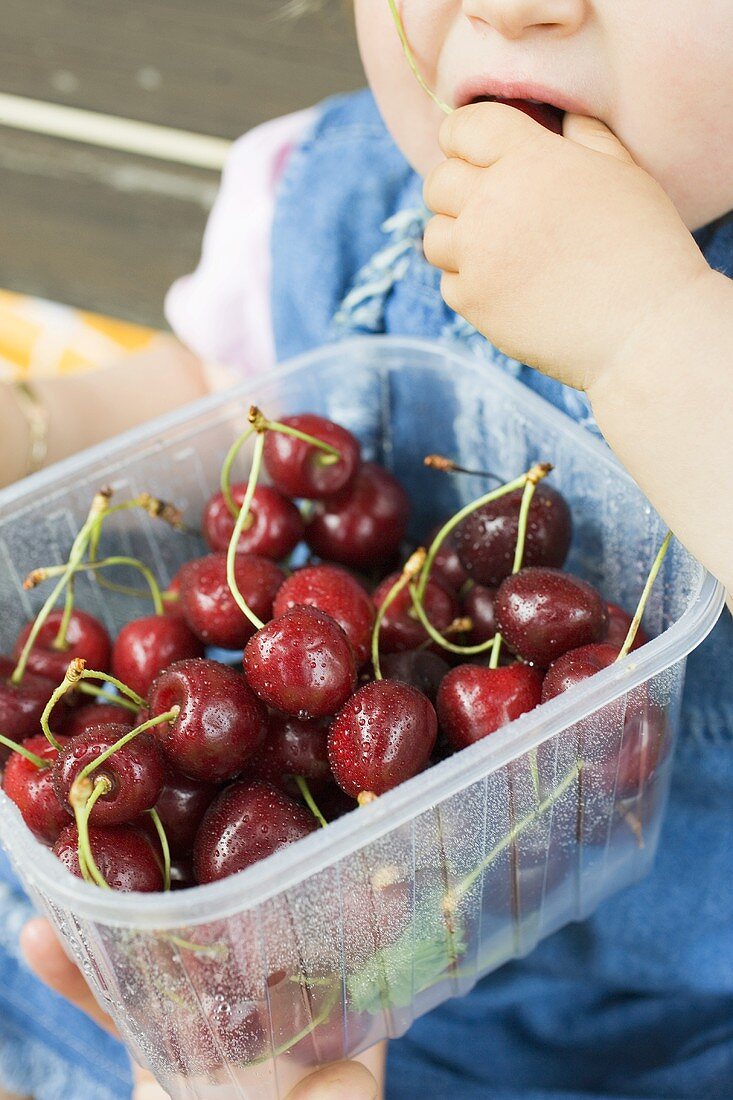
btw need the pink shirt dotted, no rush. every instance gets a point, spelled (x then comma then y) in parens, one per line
(222, 310)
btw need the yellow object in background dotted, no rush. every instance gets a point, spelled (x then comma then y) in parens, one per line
(42, 339)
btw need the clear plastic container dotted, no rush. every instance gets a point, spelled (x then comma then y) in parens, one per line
(234, 989)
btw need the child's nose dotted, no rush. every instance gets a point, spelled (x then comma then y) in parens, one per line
(513, 18)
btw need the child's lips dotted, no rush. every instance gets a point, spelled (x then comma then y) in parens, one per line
(545, 113)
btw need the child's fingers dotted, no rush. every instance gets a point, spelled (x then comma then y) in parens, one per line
(340, 1081)
(448, 185)
(483, 132)
(439, 243)
(47, 960)
(594, 134)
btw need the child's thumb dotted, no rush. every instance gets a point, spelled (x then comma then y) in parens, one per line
(594, 134)
(340, 1081)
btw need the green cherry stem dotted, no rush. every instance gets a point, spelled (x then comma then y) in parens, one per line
(165, 847)
(72, 676)
(59, 643)
(105, 677)
(239, 527)
(225, 477)
(106, 696)
(636, 621)
(440, 639)
(82, 802)
(169, 716)
(413, 565)
(260, 423)
(410, 58)
(39, 762)
(155, 593)
(310, 801)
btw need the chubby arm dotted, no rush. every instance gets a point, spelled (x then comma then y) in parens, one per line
(87, 408)
(571, 258)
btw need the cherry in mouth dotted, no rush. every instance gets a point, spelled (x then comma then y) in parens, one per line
(548, 116)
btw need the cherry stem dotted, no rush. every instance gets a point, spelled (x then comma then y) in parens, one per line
(72, 676)
(636, 621)
(310, 801)
(165, 847)
(155, 593)
(311, 1027)
(82, 802)
(448, 466)
(225, 477)
(59, 643)
(107, 696)
(440, 639)
(169, 716)
(98, 508)
(410, 58)
(527, 495)
(413, 565)
(260, 423)
(239, 527)
(90, 674)
(39, 762)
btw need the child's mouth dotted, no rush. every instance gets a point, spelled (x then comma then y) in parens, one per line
(548, 116)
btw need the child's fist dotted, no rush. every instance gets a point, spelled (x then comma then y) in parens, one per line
(558, 249)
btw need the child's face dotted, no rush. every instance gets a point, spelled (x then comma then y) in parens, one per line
(657, 72)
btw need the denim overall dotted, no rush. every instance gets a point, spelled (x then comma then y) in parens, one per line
(637, 1001)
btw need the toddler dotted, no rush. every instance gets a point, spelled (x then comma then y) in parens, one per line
(581, 191)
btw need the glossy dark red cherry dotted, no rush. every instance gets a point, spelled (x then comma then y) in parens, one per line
(486, 540)
(334, 591)
(208, 606)
(382, 736)
(542, 613)
(89, 715)
(85, 637)
(135, 772)
(363, 526)
(273, 528)
(419, 668)
(447, 566)
(292, 746)
(401, 629)
(246, 823)
(577, 665)
(474, 701)
(301, 663)
(299, 469)
(32, 790)
(479, 605)
(221, 722)
(619, 623)
(21, 705)
(125, 857)
(145, 647)
(181, 805)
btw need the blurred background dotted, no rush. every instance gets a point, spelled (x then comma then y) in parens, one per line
(88, 223)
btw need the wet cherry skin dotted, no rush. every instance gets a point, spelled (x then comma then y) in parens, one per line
(363, 526)
(419, 668)
(619, 623)
(21, 705)
(208, 606)
(85, 637)
(32, 790)
(474, 701)
(181, 805)
(382, 736)
(246, 823)
(89, 715)
(145, 647)
(292, 746)
(332, 590)
(447, 567)
(299, 469)
(479, 605)
(125, 857)
(221, 723)
(301, 663)
(401, 629)
(273, 528)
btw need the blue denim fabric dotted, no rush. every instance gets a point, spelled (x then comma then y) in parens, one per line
(638, 1000)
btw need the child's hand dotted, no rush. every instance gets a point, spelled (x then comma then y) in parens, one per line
(557, 250)
(45, 956)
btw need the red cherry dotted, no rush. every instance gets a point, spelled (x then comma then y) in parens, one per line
(301, 663)
(419, 668)
(619, 623)
(125, 857)
(221, 722)
(474, 701)
(21, 705)
(85, 637)
(134, 771)
(274, 525)
(577, 665)
(181, 805)
(338, 594)
(89, 715)
(447, 567)
(301, 470)
(486, 540)
(401, 629)
(172, 595)
(292, 746)
(208, 606)
(382, 736)
(479, 604)
(542, 613)
(145, 647)
(364, 526)
(246, 823)
(32, 790)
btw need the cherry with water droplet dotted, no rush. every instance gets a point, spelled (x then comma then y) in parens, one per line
(181, 805)
(479, 605)
(125, 857)
(21, 705)
(90, 715)
(274, 526)
(144, 647)
(31, 789)
(300, 469)
(334, 591)
(447, 566)
(292, 747)
(85, 638)
(208, 606)
(475, 701)
(619, 624)
(419, 668)
(401, 629)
